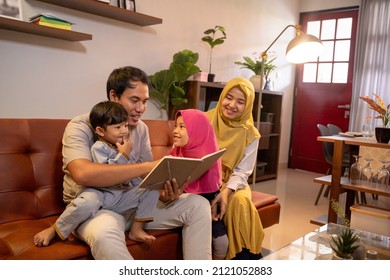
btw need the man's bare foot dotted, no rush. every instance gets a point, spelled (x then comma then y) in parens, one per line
(137, 233)
(44, 237)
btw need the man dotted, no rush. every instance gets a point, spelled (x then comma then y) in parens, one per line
(104, 232)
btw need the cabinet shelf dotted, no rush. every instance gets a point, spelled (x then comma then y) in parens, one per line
(200, 96)
(31, 28)
(106, 10)
(346, 184)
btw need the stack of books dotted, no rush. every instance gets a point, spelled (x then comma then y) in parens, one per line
(51, 21)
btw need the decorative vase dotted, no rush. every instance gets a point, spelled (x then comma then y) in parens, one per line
(382, 134)
(269, 85)
(255, 80)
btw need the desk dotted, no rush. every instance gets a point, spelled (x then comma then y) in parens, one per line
(335, 180)
(315, 245)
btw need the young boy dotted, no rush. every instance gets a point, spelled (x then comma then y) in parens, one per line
(109, 120)
(194, 137)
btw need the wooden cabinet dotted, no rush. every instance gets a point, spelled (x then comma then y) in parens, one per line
(202, 94)
(88, 6)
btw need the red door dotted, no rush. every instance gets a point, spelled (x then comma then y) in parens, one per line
(323, 87)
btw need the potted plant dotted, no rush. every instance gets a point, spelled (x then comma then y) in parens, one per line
(168, 85)
(382, 134)
(255, 66)
(212, 39)
(346, 242)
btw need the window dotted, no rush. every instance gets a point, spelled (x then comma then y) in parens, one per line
(333, 64)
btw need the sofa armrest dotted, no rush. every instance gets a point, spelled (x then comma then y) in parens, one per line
(267, 207)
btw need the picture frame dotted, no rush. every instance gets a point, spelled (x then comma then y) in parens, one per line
(11, 9)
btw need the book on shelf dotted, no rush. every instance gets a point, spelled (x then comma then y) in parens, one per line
(123, 4)
(59, 26)
(51, 21)
(181, 168)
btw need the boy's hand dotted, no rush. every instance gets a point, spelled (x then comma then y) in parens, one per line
(125, 147)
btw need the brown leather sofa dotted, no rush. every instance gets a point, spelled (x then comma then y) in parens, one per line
(31, 193)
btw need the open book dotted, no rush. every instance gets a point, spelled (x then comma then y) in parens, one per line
(181, 168)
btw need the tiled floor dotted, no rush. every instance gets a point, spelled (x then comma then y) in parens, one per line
(297, 193)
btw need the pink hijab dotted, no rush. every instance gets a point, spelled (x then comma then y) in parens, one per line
(201, 142)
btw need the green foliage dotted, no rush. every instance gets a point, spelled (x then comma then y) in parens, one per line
(168, 85)
(336, 208)
(255, 65)
(212, 40)
(210, 36)
(343, 243)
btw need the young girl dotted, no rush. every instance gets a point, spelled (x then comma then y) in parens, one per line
(109, 120)
(194, 137)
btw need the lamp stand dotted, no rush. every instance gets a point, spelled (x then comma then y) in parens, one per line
(300, 39)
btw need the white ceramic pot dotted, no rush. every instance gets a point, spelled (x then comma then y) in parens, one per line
(336, 257)
(255, 80)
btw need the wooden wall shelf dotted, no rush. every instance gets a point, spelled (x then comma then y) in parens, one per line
(31, 28)
(105, 10)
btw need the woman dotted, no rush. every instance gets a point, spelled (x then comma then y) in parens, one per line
(234, 128)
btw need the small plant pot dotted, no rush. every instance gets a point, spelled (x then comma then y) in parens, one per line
(336, 257)
(200, 76)
(257, 82)
(382, 134)
(210, 78)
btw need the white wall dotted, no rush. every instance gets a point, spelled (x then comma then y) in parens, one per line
(317, 5)
(50, 78)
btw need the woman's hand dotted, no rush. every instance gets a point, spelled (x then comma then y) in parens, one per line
(219, 204)
(170, 192)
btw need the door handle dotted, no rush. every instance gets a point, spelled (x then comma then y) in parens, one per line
(346, 106)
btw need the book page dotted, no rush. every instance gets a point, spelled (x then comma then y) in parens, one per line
(179, 168)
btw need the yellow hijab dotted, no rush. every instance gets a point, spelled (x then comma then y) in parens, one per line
(236, 134)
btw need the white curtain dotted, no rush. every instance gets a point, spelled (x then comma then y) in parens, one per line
(372, 61)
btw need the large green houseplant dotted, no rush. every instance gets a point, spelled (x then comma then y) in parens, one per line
(168, 85)
(214, 37)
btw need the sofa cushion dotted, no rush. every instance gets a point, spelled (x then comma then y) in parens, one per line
(31, 168)
(17, 237)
